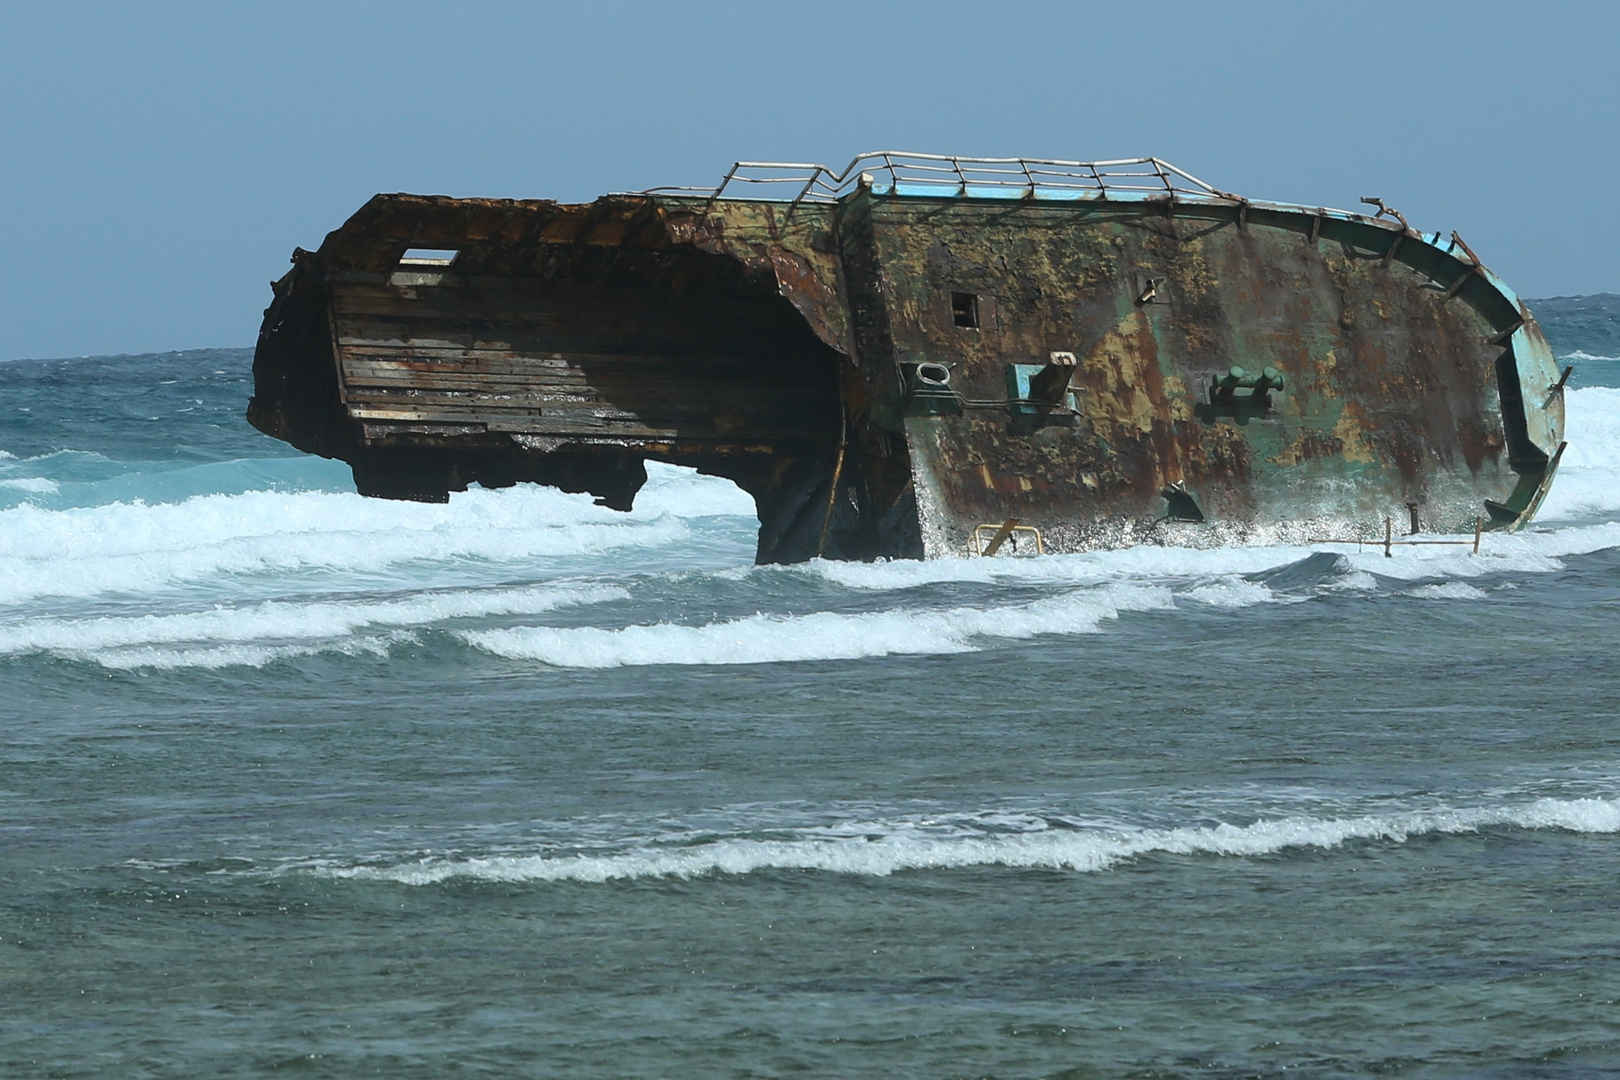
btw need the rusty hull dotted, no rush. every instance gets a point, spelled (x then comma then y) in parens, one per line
(780, 345)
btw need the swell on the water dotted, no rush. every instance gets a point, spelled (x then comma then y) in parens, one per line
(1085, 850)
(221, 636)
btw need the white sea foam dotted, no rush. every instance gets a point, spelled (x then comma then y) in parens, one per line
(126, 547)
(1231, 593)
(1143, 579)
(1588, 480)
(879, 851)
(1215, 575)
(1146, 562)
(119, 641)
(1448, 590)
(1579, 355)
(686, 493)
(131, 547)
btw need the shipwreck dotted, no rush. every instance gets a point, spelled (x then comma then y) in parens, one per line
(917, 354)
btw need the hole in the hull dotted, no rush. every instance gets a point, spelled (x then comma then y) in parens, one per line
(1180, 506)
(934, 374)
(965, 310)
(682, 491)
(439, 257)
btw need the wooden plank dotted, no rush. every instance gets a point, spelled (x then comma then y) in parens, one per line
(479, 366)
(413, 353)
(748, 327)
(696, 334)
(704, 384)
(429, 339)
(627, 390)
(491, 383)
(515, 420)
(490, 401)
(588, 303)
(486, 408)
(483, 405)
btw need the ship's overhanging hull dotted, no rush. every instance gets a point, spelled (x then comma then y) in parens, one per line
(886, 372)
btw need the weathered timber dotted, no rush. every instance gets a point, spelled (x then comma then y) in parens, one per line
(887, 359)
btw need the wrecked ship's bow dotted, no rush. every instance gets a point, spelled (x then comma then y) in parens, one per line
(888, 362)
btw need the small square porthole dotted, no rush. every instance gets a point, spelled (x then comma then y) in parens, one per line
(428, 257)
(965, 309)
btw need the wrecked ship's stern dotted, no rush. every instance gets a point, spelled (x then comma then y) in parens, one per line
(888, 371)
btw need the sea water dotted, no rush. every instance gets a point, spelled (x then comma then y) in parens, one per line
(300, 782)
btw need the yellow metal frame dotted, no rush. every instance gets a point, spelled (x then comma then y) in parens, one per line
(981, 544)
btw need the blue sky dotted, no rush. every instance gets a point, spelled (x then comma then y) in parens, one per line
(159, 161)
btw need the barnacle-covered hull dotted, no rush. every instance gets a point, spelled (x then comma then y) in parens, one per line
(891, 366)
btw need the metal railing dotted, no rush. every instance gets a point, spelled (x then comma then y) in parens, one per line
(1389, 541)
(797, 182)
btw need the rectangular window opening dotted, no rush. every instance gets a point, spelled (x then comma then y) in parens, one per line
(428, 257)
(965, 309)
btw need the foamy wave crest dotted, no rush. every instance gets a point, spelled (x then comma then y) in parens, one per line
(214, 657)
(1085, 850)
(133, 547)
(33, 485)
(1448, 590)
(1092, 567)
(824, 635)
(139, 641)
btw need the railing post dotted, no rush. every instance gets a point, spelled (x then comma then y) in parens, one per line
(729, 174)
(815, 174)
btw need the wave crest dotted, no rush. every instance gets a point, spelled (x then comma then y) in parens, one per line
(1082, 850)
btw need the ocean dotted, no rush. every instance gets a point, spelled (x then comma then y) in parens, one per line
(296, 782)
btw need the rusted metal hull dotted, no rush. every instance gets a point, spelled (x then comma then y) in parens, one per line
(888, 370)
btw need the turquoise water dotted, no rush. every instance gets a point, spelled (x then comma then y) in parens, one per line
(300, 782)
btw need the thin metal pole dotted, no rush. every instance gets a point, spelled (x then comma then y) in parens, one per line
(838, 466)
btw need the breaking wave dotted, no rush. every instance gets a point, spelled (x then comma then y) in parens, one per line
(1588, 480)
(824, 635)
(134, 547)
(223, 636)
(36, 485)
(882, 849)
(215, 657)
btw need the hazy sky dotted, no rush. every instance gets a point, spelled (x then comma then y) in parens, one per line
(158, 162)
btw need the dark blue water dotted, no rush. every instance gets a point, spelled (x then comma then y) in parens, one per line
(296, 782)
